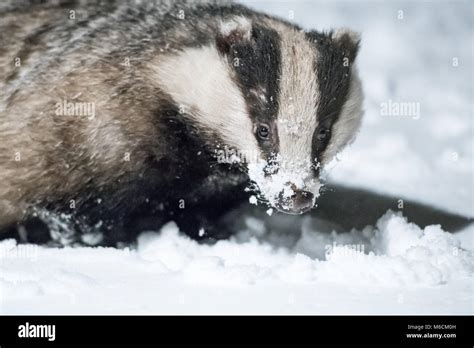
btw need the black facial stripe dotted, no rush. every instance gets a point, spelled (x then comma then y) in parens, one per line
(334, 77)
(257, 63)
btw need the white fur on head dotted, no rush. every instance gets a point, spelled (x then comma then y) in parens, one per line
(345, 128)
(200, 81)
(239, 24)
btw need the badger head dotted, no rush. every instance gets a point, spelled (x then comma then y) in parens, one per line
(284, 100)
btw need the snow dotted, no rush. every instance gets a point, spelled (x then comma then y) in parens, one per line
(253, 200)
(392, 267)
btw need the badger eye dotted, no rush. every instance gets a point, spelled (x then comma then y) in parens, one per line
(323, 134)
(263, 131)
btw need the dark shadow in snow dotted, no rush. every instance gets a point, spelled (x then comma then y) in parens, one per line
(352, 207)
(339, 209)
(343, 208)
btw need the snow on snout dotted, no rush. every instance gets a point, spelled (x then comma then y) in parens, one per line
(285, 177)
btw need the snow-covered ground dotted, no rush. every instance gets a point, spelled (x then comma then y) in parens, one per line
(395, 267)
(411, 52)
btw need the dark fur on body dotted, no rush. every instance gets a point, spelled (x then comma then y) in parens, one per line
(66, 158)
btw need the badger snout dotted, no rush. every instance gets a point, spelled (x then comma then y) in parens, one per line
(294, 202)
(291, 189)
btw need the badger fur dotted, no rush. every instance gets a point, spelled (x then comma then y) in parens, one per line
(118, 110)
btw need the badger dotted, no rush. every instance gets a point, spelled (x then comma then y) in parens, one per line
(121, 115)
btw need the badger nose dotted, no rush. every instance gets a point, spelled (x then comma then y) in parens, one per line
(298, 203)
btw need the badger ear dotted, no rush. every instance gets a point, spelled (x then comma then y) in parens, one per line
(349, 41)
(231, 31)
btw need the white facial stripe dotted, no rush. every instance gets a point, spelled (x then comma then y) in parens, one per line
(298, 98)
(297, 106)
(345, 128)
(200, 81)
